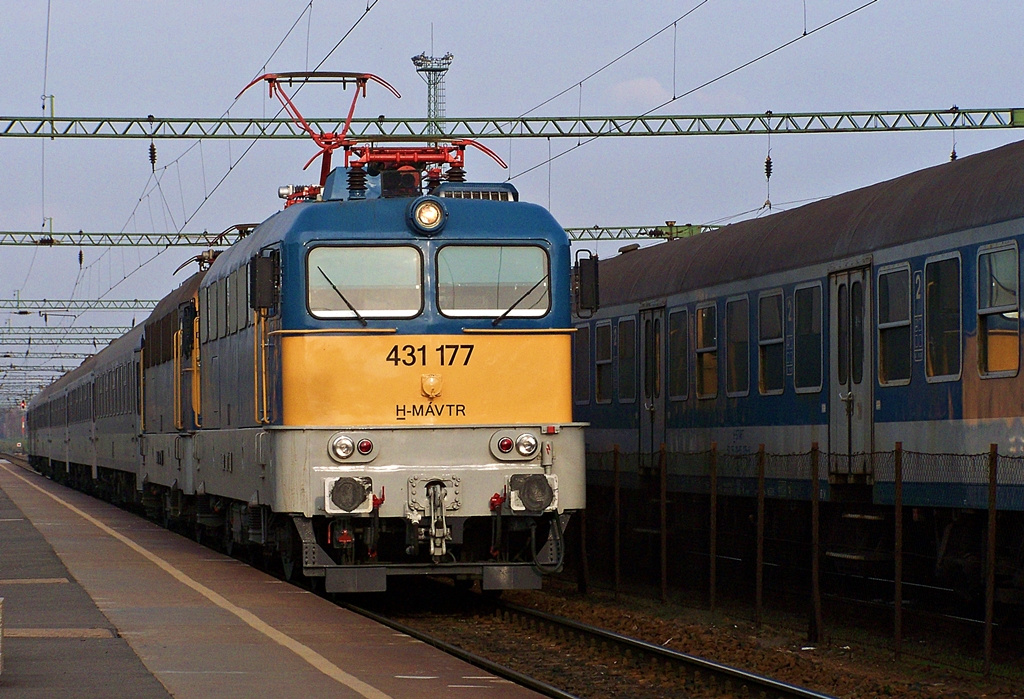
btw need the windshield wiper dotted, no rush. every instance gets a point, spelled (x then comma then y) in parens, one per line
(342, 296)
(518, 301)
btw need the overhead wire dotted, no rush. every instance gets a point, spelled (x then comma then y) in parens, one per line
(618, 58)
(724, 75)
(156, 177)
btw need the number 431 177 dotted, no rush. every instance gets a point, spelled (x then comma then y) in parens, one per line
(447, 355)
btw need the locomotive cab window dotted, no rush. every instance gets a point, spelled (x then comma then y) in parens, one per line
(894, 332)
(493, 281)
(771, 352)
(998, 311)
(364, 282)
(942, 325)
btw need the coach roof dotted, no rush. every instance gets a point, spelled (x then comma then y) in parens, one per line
(974, 191)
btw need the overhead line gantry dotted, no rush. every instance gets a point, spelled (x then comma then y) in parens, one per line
(72, 335)
(26, 306)
(80, 239)
(420, 129)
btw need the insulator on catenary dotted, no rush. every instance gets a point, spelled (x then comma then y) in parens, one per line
(768, 168)
(152, 155)
(81, 259)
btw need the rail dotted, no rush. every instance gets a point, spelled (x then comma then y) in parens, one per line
(479, 661)
(700, 670)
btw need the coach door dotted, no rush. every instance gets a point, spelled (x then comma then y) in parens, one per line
(652, 381)
(851, 422)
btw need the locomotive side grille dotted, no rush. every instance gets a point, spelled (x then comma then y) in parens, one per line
(486, 195)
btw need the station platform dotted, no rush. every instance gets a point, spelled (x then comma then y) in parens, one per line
(100, 603)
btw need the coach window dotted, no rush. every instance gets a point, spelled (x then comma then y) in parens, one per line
(581, 364)
(707, 352)
(603, 362)
(894, 332)
(242, 297)
(998, 311)
(807, 339)
(737, 338)
(204, 314)
(627, 360)
(212, 308)
(493, 281)
(771, 351)
(230, 287)
(678, 355)
(942, 318)
(857, 331)
(365, 282)
(222, 306)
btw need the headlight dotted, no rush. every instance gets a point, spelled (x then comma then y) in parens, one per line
(426, 215)
(526, 444)
(342, 447)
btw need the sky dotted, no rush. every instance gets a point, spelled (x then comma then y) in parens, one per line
(122, 58)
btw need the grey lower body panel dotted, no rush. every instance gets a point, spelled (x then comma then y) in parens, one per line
(373, 578)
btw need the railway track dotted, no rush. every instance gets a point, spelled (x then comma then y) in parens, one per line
(698, 673)
(565, 647)
(663, 672)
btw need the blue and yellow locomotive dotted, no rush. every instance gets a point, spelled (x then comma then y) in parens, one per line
(374, 381)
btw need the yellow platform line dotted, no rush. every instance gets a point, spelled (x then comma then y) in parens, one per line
(58, 633)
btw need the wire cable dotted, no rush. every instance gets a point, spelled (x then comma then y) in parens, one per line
(689, 92)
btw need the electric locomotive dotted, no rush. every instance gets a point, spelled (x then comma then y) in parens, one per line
(374, 381)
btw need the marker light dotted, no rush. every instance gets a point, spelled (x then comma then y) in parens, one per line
(505, 445)
(365, 446)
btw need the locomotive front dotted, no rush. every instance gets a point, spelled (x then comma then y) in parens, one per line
(415, 384)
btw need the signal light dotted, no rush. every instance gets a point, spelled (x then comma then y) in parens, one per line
(526, 444)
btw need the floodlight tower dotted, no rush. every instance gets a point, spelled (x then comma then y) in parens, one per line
(433, 70)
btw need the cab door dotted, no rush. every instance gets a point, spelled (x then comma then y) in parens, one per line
(851, 421)
(652, 382)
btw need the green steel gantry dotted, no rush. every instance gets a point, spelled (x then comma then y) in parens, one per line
(206, 240)
(66, 335)
(20, 306)
(420, 129)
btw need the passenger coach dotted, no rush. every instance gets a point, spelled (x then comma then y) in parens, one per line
(887, 314)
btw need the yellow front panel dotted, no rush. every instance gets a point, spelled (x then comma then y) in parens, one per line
(395, 380)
